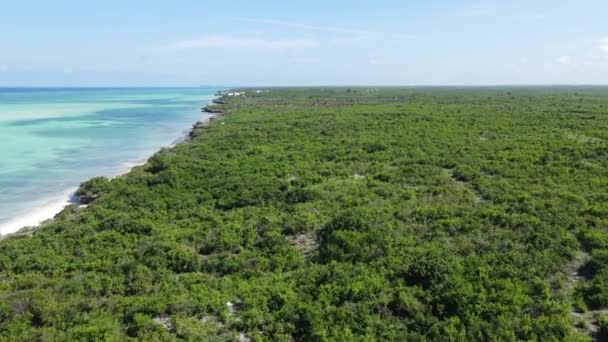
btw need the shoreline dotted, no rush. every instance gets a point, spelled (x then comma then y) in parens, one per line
(38, 215)
(54, 205)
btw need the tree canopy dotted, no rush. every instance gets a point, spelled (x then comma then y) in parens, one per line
(337, 214)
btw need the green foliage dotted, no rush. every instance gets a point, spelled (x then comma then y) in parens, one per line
(91, 189)
(336, 214)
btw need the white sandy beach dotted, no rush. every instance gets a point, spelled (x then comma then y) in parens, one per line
(53, 206)
(38, 214)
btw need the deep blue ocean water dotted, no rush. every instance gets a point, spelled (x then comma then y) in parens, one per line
(52, 139)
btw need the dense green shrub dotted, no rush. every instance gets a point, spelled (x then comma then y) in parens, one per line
(435, 214)
(91, 189)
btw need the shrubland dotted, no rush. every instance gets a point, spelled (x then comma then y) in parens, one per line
(313, 214)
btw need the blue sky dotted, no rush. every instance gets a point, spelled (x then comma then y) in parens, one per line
(298, 42)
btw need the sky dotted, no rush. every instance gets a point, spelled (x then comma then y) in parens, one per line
(297, 42)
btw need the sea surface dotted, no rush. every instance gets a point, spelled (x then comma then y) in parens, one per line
(52, 139)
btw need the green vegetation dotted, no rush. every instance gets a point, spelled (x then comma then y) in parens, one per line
(338, 214)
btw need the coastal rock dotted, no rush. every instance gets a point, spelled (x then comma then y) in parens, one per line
(92, 189)
(193, 134)
(212, 110)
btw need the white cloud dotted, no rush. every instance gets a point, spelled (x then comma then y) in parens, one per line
(375, 61)
(498, 11)
(565, 60)
(604, 44)
(357, 33)
(480, 10)
(235, 42)
(301, 26)
(3, 68)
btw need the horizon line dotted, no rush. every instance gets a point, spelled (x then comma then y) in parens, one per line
(422, 85)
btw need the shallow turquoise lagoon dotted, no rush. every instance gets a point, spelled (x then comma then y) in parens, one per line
(51, 139)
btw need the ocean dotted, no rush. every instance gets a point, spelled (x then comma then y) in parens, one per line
(52, 139)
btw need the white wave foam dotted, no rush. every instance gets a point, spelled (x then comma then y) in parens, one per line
(38, 213)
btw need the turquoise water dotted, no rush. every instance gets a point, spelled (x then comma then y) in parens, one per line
(51, 139)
